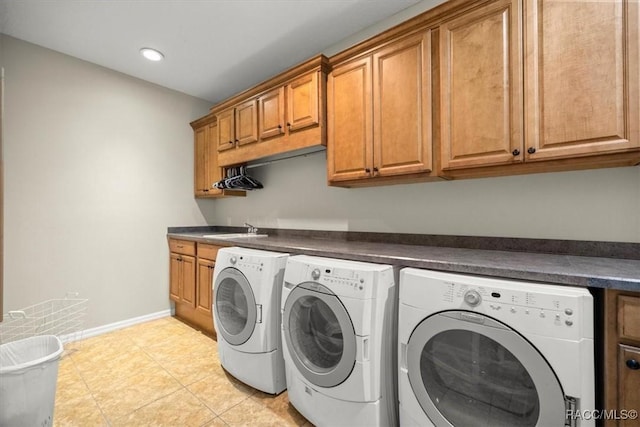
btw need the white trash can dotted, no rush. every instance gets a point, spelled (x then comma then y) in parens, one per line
(28, 376)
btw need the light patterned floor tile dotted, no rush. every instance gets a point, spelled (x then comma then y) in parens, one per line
(196, 370)
(79, 411)
(70, 385)
(136, 375)
(220, 393)
(118, 369)
(280, 407)
(180, 408)
(134, 392)
(216, 422)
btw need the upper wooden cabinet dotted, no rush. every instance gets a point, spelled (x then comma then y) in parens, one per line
(379, 121)
(206, 169)
(226, 129)
(295, 104)
(238, 126)
(303, 108)
(271, 114)
(283, 114)
(246, 122)
(481, 87)
(581, 68)
(350, 121)
(524, 81)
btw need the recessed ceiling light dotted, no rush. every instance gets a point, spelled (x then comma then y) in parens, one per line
(151, 54)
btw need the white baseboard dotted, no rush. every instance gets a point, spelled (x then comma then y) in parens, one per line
(88, 333)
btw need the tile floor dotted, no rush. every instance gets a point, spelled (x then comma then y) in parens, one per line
(160, 373)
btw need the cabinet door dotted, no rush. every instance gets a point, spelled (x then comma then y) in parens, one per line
(203, 287)
(214, 172)
(402, 107)
(271, 113)
(226, 129)
(247, 122)
(302, 102)
(349, 124)
(582, 77)
(628, 381)
(175, 276)
(201, 148)
(188, 291)
(481, 87)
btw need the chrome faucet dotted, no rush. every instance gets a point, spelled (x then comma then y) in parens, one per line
(252, 229)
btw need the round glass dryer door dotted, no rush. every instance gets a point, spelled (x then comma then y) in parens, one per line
(235, 306)
(467, 369)
(319, 335)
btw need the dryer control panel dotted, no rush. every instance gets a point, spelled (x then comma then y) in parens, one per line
(533, 307)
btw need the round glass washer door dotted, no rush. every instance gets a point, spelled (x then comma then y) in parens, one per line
(467, 369)
(235, 306)
(319, 335)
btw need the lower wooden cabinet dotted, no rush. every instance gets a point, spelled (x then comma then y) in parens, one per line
(182, 273)
(203, 285)
(628, 382)
(190, 285)
(622, 356)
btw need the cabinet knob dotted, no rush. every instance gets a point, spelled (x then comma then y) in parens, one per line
(633, 364)
(375, 170)
(515, 152)
(230, 142)
(367, 170)
(279, 126)
(288, 124)
(236, 140)
(531, 150)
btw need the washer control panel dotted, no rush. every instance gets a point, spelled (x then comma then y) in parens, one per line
(246, 263)
(536, 309)
(472, 297)
(342, 281)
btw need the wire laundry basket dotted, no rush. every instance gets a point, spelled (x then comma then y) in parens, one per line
(63, 318)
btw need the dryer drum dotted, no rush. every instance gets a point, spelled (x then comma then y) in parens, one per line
(231, 305)
(470, 374)
(464, 365)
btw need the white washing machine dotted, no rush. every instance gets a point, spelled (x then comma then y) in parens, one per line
(338, 326)
(489, 352)
(247, 286)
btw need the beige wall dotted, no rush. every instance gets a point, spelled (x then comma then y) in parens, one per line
(97, 165)
(583, 205)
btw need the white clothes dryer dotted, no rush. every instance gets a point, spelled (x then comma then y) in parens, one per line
(478, 351)
(247, 286)
(338, 326)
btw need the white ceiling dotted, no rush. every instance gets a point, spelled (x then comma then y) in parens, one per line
(213, 48)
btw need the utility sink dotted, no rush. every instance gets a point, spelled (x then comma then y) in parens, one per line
(234, 236)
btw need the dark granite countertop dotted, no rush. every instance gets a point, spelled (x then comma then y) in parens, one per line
(585, 271)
